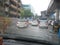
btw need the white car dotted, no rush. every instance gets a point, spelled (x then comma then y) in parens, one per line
(43, 24)
(22, 24)
(34, 23)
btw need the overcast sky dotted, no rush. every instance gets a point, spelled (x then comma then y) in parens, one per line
(38, 5)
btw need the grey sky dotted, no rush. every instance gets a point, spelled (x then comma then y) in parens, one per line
(38, 5)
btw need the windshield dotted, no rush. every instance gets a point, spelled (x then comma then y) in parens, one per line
(22, 18)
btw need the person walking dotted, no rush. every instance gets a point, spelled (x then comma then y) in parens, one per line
(38, 21)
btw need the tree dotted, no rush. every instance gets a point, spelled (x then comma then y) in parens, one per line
(26, 13)
(36, 16)
(22, 12)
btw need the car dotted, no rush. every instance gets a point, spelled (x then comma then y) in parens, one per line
(34, 23)
(22, 24)
(43, 24)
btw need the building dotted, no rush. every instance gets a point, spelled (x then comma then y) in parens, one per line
(54, 9)
(12, 8)
(28, 7)
(44, 14)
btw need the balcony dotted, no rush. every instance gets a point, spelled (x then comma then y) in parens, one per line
(14, 7)
(18, 9)
(15, 2)
(19, 4)
(6, 9)
(19, 14)
(14, 13)
(7, 3)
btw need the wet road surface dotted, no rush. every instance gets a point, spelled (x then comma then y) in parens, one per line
(33, 32)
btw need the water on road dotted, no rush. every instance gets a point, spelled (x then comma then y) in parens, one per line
(33, 32)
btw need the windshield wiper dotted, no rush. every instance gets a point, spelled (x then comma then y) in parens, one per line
(30, 40)
(26, 39)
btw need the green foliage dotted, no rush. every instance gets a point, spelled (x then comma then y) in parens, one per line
(26, 13)
(36, 16)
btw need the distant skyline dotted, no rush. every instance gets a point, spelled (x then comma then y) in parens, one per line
(38, 5)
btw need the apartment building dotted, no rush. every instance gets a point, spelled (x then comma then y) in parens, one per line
(12, 8)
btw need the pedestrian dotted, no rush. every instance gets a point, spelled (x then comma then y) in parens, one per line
(38, 21)
(56, 27)
(50, 22)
